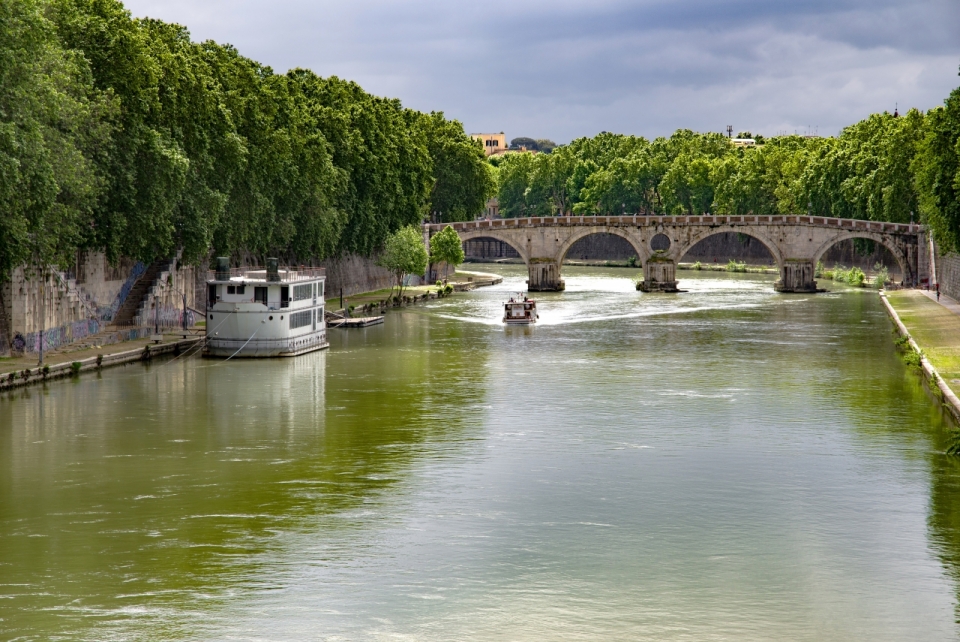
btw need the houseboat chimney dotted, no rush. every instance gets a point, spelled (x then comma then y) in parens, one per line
(273, 270)
(223, 268)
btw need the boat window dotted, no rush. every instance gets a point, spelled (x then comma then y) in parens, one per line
(212, 295)
(241, 289)
(301, 292)
(260, 295)
(300, 319)
(231, 289)
(284, 296)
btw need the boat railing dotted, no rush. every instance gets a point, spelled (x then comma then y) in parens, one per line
(286, 275)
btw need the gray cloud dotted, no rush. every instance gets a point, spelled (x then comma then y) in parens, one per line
(562, 69)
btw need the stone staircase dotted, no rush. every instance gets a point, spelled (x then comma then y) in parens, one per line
(75, 299)
(144, 314)
(130, 311)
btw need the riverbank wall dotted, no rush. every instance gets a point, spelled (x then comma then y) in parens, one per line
(948, 274)
(28, 376)
(60, 307)
(57, 307)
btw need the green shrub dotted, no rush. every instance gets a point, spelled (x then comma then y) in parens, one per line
(818, 271)
(75, 367)
(882, 276)
(632, 261)
(856, 277)
(448, 289)
(734, 266)
(912, 358)
(697, 266)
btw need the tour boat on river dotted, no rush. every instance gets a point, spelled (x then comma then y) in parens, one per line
(519, 311)
(264, 313)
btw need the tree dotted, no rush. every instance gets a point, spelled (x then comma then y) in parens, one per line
(462, 182)
(528, 144)
(53, 125)
(403, 254)
(515, 174)
(937, 172)
(445, 247)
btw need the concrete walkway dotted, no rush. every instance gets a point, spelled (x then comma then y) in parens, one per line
(945, 301)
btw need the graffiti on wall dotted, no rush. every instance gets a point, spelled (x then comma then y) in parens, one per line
(167, 317)
(54, 337)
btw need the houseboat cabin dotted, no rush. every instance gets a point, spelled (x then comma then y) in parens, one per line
(264, 312)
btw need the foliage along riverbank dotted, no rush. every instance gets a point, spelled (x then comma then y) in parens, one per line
(123, 135)
(385, 298)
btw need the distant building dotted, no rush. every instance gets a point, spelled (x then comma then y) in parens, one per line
(743, 142)
(492, 143)
(492, 209)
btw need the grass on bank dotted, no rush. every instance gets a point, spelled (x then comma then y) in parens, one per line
(375, 296)
(935, 329)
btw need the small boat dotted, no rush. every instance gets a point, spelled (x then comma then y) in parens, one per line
(520, 311)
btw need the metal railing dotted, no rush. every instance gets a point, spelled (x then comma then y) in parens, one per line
(287, 275)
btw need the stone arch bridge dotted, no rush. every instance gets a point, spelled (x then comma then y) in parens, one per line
(795, 242)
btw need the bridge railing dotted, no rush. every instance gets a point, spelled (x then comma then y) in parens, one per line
(642, 221)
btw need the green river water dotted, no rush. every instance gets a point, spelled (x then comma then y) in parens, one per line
(722, 464)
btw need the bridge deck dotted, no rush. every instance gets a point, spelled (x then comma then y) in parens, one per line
(644, 221)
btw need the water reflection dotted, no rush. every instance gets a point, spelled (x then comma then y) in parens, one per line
(147, 496)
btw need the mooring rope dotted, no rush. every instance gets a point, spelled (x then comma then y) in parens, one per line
(199, 345)
(241, 347)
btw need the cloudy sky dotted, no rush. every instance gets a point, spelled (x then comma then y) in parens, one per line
(561, 69)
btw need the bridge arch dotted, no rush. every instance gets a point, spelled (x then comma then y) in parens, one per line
(905, 271)
(496, 235)
(723, 229)
(642, 253)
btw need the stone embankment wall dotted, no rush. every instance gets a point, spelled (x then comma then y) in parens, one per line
(170, 298)
(948, 274)
(729, 245)
(64, 306)
(489, 249)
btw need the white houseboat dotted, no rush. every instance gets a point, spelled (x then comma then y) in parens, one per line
(520, 311)
(264, 313)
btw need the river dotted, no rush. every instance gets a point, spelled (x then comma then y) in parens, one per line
(722, 464)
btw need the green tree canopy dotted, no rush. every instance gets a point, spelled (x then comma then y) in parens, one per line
(462, 179)
(445, 247)
(404, 253)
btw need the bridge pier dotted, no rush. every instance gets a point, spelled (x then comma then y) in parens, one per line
(796, 275)
(659, 275)
(543, 275)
